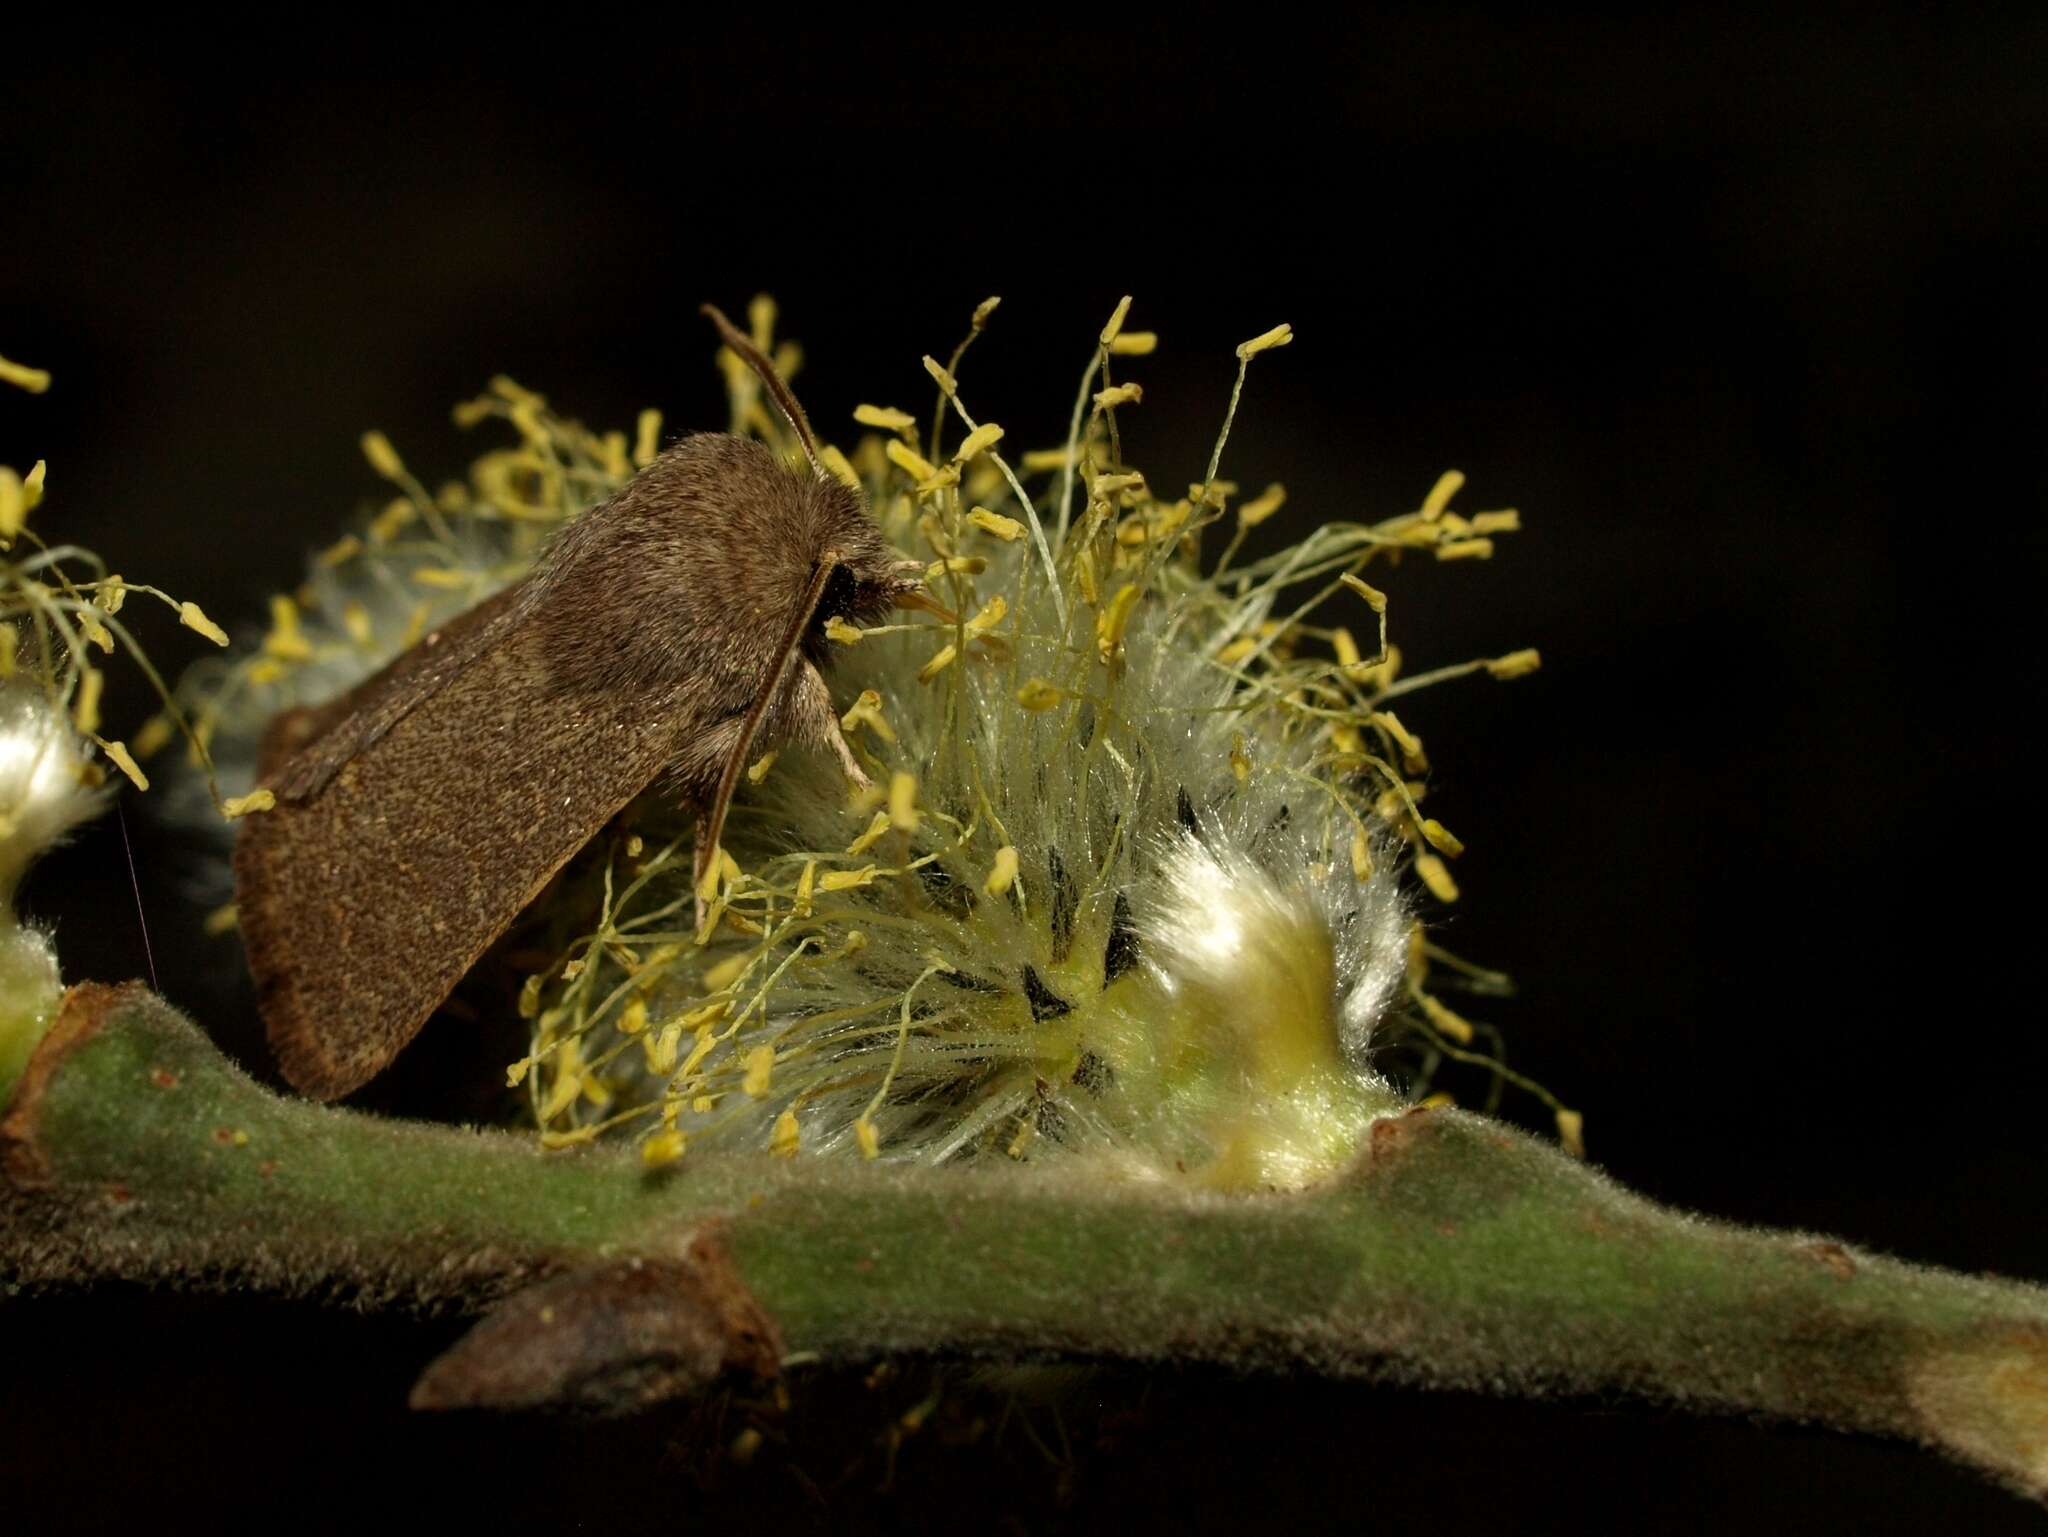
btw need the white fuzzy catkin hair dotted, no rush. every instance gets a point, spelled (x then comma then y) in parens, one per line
(44, 793)
(1185, 965)
(44, 789)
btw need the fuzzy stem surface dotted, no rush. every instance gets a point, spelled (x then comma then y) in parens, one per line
(1453, 1252)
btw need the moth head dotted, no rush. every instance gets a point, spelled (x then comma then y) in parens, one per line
(867, 583)
(867, 578)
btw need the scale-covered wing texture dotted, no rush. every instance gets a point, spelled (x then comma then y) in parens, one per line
(363, 905)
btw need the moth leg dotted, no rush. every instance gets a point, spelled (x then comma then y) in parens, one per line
(789, 658)
(715, 745)
(700, 857)
(816, 720)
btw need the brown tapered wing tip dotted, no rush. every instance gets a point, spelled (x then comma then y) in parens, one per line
(306, 1064)
(305, 1052)
(314, 1055)
(364, 902)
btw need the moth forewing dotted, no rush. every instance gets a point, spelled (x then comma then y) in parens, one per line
(419, 815)
(306, 748)
(363, 905)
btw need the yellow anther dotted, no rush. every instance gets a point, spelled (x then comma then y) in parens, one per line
(382, 456)
(1441, 837)
(647, 437)
(867, 711)
(1448, 485)
(722, 976)
(1111, 623)
(873, 835)
(118, 755)
(837, 463)
(663, 1148)
(1006, 529)
(1437, 877)
(941, 660)
(154, 736)
(1571, 1131)
(1374, 598)
(1116, 321)
(286, 641)
(385, 527)
(1002, 874)
(21, 376)
(85, 710)
(1412, 756)
(1279, 336)
(1263, 506)
(1465, 549)
(990, 615)
(903, 802)
(911, 462)
(1453, 1025)
(978, 442)
(1516, 664)
(660, 1048)
(760, 1070)
(886, 418)
(192, 618)
(13, 503)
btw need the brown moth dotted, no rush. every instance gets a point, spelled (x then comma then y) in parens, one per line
(672, 633)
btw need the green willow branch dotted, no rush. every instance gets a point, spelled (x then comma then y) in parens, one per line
(1454, 1252)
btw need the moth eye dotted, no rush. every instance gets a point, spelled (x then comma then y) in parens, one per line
(841, 593)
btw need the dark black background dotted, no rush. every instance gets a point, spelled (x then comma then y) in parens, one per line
(1746, 320)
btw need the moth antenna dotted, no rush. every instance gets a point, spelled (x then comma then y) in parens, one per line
(748, 353)
(713, 826)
